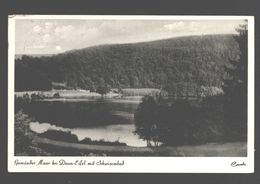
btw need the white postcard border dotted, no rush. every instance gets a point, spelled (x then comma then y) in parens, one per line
(133, 164)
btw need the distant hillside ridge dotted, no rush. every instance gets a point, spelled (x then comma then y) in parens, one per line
(183, 62)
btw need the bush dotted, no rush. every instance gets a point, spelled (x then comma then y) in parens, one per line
(23, 134)
(101, 142)
(56, 95)
(21, 102)
(206, 91)
(24, 145)
(182, 121)
(60, 136)
(103, 89)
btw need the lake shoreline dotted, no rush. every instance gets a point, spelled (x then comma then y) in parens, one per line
(123, 133)
(230, 149)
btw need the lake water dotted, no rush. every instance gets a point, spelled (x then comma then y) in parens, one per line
(108, 119)
(118, 132)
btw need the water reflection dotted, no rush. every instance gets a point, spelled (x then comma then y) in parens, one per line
(109, 119)
(118, 132)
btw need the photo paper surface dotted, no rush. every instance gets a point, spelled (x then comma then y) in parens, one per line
(131, 94)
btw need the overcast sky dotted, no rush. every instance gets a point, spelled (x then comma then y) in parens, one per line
(55, 36)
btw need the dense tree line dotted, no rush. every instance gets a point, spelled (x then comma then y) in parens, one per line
(213, 117)
(181, 121)
(235, 87)
(180, 64)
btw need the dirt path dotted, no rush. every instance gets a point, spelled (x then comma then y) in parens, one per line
(94, 148)
(231, 149)
(236, 149)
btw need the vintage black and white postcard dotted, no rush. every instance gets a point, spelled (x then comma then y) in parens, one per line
(155, 94)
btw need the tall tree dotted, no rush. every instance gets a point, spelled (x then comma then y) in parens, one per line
(235, 88)
(146, 118)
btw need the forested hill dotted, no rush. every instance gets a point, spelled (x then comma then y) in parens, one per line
(183, 62)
